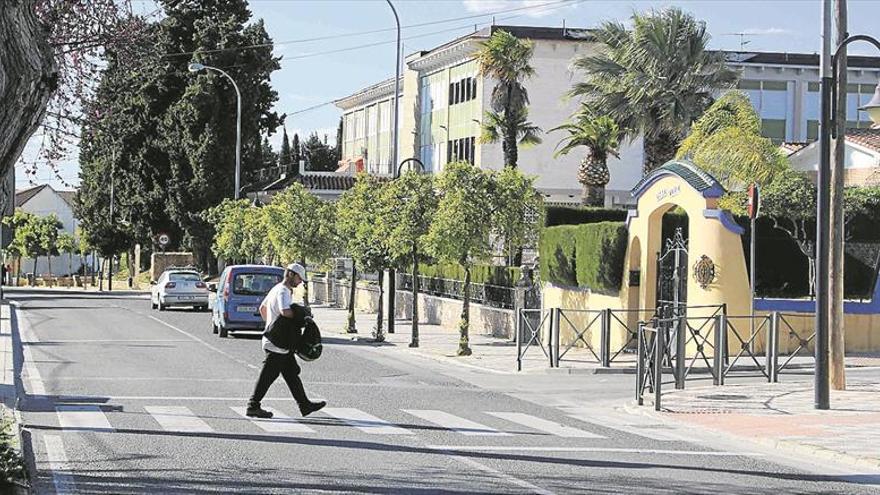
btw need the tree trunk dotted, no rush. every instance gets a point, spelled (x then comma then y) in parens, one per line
(463, 326)
(511, 152)
(352, 294)
(34, 272)
(414, 339)
(837, 371)
(70, 269)
(379, 335)
(305, 285)
(594, 195)
(658, 150)
(28, 78)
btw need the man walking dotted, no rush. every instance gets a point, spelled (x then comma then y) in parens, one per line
(276, 311)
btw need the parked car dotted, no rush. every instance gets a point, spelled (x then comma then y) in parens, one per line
(240, 291)
(179, 287)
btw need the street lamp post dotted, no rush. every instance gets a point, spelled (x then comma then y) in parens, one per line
(392, 285)
(823, 223)
(196, 67)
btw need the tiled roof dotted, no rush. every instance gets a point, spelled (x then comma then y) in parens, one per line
(793, 147)
(69, 197)
(810, 59)
(322, 182)
(869, 138)
(694, 176)
(25, 195)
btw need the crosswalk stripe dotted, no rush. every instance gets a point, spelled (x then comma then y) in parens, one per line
(364, 421)
(178, 418)
(550, 427)
(454, 423)
(90, 418)
(279, 423)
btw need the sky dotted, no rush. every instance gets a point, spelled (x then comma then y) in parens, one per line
(357, 42)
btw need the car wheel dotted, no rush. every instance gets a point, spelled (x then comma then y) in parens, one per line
(223, 332)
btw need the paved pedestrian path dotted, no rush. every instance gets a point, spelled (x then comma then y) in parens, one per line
(491, 354)
(782, 415)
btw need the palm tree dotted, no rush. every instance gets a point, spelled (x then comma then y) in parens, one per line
(653, 80)
(512, 129)
(505, 58)
(600, 135)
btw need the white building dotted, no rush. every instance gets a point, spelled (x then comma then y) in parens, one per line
(443, 99)
(43, 200)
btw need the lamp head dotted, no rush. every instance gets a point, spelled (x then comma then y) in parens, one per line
(195, 67)
(873, 107)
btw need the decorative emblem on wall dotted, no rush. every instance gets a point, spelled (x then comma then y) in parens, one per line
(704, 271)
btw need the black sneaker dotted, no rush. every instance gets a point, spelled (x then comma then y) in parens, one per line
(311, 407)
(258, 412)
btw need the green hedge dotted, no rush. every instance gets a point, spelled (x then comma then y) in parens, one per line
(503, 276)
(589, 255)
(577, 215)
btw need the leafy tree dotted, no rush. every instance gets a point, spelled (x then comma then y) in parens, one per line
(269, 157)
(506, 59)
(67, 245)
(654, 79)
(460, 231)
(600, 135)
(358, 220)
(301, 226)
(27, 240)
(318, 155)
(409, 205)
(517, 219)
(228, 219)
(727, 142)
(82, 244)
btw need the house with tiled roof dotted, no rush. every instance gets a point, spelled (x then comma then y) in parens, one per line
(862, 163)
(270, 181)
(43, 200)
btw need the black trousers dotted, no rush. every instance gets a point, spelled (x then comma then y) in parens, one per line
(279, 364)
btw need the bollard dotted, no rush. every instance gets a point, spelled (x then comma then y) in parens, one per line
(773, 348)
(680, 352)
(518, 336)
(554, 341)
(720, 344)
(658, 369)
(640, 363)
(605, 339)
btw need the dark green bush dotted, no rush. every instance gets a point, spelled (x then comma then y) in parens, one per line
(480, 274)
(590, 255)
(577, 215)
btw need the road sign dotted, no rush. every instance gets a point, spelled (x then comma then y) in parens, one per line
(164, 239)
(754, 202)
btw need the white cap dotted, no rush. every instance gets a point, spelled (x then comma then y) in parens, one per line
(299, 270)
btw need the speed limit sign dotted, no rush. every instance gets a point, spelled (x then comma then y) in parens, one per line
(164, 239)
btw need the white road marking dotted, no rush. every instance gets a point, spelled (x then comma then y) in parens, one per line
(631, 428)
(279, 423)
(550, 427)
(511, 448)
(364, 421)
(112, 341)
(455, 423)
(30, 367)
(90, 418)
(193, 337)
(178, 418)
(59, 465)
(506, 477)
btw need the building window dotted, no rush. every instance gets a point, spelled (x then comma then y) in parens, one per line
(461, 150)
(462, 90)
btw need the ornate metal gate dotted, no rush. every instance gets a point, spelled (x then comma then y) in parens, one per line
(672, 276)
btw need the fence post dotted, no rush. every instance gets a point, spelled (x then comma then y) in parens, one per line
(658, 369)
(605, 339)
(773, 351)
(718, 358)
(518, 337)
(640, 363)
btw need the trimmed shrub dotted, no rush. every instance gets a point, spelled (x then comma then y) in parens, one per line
(590, 255)
(503, 276)
(578, 215)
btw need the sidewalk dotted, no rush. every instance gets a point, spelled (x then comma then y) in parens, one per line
(490, 354)
(781, 415)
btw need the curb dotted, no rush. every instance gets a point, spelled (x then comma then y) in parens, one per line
(788, 446)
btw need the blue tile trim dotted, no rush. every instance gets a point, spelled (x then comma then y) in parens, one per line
(726, 220)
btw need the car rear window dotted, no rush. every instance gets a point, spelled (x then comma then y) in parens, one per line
(254, 284)
(184, 277)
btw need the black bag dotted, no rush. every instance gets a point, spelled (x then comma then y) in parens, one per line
(309, 346)
(285, 332)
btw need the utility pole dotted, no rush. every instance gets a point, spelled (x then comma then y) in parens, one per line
(836, 249)
(821, 393)
(112, 198)
(392, 280)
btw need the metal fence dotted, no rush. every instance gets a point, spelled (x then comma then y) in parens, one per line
(649, 368)
(530, 324)
(488, 295)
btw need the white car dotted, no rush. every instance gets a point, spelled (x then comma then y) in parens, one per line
(179, 287)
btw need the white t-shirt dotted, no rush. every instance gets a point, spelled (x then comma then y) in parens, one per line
(276, 300)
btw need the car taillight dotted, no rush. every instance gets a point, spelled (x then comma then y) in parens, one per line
(201, 285)
(170, 285)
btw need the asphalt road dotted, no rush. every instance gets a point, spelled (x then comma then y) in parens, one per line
(123, 399)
